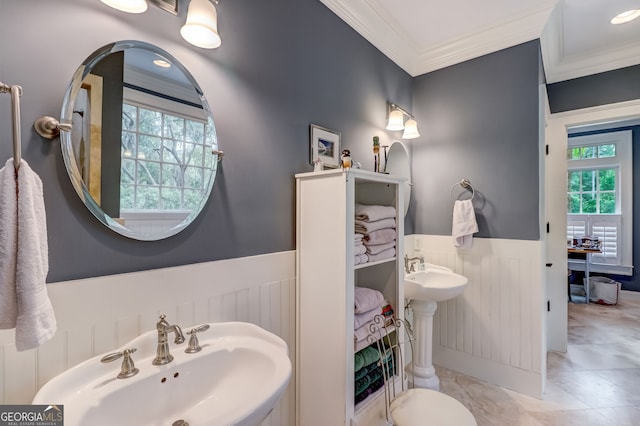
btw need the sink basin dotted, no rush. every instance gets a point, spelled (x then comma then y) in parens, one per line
(434, 284)
(236, 379)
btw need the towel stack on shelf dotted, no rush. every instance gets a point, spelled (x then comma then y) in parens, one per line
(360, 250)
(368, 304)
(368, 371)
(377, 225)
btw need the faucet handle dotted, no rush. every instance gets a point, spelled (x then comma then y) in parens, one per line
(128, 369)
(194, 345)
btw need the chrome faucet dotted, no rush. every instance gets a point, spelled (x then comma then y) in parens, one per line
(409, 266)
(162, 353)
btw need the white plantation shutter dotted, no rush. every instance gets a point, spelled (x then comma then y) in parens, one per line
(606, 229)
(576, 229)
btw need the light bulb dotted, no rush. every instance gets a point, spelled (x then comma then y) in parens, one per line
(129, 6)
(201, 26)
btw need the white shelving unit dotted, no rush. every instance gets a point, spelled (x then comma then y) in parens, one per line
(326, 277)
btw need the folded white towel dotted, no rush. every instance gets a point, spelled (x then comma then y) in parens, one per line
(359, 249)
(464, 224)
(371, 212)
(357, 237)
(8, 246)
(377, 248)
(366, 299)
(36, 322)
(381, 236)
(360, 319)
(360, 258)
(365, 227)
(385, 254)
(361, 333)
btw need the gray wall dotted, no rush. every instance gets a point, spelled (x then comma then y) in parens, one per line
(598, 89)
(283, 64)
(479, 120)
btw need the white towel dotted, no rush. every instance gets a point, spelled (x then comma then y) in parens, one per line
(8, 246)
(360, 258)
(359, 249)
(372, 213)
(378, 248)
(464, 224)
(381, 236)
(364, 227)
(361, 319)
(385, 254)
(366, 299)
(35, 321)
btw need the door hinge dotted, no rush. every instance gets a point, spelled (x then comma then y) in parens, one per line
(546, 149)
(548, 227)
(548, 305)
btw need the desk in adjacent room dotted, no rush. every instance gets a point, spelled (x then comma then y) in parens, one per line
(587, 261)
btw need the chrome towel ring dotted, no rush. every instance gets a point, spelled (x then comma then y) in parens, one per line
(466, 184)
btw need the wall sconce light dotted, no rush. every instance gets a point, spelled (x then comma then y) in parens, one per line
(129, 6)
(201, 26)
(395, 121)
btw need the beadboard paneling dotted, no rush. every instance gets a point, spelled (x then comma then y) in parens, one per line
(101, 314)
(494, 330)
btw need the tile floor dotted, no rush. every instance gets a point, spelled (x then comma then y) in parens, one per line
(596, 383)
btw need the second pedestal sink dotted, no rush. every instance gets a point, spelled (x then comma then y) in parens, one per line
(435, 285)
(425, 288)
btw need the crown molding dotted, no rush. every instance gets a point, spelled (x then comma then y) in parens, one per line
(369, 20)
(375, 28)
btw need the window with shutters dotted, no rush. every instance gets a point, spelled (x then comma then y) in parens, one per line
(599, 197)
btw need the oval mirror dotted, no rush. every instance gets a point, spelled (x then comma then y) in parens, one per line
(398, 164)
(142, 153)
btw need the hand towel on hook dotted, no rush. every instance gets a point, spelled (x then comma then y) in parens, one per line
(464, 224)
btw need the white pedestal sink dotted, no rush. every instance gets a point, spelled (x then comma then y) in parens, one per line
(236, 379)
(425, 289)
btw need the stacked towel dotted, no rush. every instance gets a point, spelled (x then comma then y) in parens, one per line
(368, 371)
(359, 250)
(377, 225)
(368, 304)
(24, 258)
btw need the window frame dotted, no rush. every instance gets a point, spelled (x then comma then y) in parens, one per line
(164, 106)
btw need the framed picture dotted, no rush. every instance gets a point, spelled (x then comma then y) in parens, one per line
(325, 146)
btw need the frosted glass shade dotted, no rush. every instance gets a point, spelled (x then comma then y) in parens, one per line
(410, 129)
(396, 120)
(201, 27)
(129, 6)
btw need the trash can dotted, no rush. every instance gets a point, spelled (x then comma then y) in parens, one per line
(604, 290)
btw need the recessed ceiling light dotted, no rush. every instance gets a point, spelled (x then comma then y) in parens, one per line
(625, 17)
(162, 63)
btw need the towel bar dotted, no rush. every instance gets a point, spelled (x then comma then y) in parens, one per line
(466, 184)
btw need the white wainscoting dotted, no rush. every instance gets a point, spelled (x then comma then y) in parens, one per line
(98, 315)
(495, 330)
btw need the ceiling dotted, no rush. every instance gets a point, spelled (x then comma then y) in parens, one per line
(425, 35)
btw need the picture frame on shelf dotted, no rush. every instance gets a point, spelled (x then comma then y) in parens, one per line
(325, 146)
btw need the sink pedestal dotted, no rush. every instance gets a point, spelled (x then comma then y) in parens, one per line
(424, 374)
